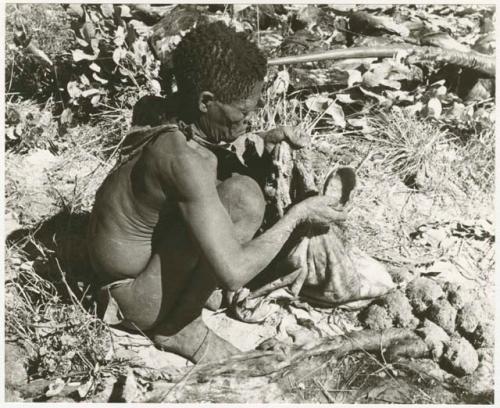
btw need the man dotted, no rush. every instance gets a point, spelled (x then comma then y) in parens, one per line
(164, 232)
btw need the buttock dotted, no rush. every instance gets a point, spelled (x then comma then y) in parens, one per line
(108, 309)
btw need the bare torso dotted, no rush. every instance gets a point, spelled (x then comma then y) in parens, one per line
(133, 208)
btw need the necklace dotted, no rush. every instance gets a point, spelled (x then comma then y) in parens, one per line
(192, 132)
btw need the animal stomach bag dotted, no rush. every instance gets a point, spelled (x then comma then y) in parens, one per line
(323, 269)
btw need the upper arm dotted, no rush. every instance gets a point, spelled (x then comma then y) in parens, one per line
(204, 214)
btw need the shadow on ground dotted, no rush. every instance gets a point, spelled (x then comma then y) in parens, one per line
(58, 248)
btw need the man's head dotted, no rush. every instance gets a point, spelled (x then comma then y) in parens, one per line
(219, 76)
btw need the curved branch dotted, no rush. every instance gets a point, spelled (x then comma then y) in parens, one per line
(473, 60)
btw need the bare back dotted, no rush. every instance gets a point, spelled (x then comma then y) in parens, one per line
(138, 200)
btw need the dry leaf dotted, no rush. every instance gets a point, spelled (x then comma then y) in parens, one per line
(318, 103)
(107, 10)
(119, 36)
(337, 114)
(83, 390)
(73, 90)
(118, 54)
(66, 116)
(280, 84)
(355, 77)
(434, 108)
(55, 388)
(38, 54)
(95, 67)
(90, 92)
(79, 55)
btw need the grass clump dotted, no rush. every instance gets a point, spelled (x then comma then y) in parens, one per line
(411, 148)
(62, 339)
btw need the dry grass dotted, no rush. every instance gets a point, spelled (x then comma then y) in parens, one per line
(47, 316)
(62, 339)
(411, 147)
(50, 307)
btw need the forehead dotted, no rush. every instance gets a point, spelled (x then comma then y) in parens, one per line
(251, 100)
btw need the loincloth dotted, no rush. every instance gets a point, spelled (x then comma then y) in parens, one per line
(108, 309)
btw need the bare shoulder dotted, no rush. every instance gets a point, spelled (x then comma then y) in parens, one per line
(179, 166)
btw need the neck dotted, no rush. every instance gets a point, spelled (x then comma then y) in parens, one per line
(193, 132)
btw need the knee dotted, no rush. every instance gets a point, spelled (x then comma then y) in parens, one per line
(243, 198)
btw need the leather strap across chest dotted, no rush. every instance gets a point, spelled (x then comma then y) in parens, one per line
(140, 136)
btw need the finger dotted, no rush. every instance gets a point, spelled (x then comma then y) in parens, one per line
(295, 136)
(337, 215)
(273, 136)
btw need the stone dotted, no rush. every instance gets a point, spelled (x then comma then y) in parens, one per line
(443, 314)
(15, 370)
(460, 357)
(423, 292)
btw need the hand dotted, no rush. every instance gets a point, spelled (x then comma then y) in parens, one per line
(319, 211)
(294, 136)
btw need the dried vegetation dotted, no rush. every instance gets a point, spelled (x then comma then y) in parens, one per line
(419, 133)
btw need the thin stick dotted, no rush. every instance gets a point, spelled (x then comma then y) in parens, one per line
(473, 60)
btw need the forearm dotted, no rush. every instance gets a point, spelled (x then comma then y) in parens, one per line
(258, 253)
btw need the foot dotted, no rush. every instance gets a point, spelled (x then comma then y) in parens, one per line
(195, 341)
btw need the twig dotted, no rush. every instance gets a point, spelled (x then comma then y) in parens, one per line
(325, 391)
(473, 60)
(68, 288)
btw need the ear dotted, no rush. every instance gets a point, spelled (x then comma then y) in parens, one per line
(205, 98)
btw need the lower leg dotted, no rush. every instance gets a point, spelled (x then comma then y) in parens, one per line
(183, 330)
(182, 289)
(195, 341)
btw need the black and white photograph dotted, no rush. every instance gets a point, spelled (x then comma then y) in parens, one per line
(249, 203)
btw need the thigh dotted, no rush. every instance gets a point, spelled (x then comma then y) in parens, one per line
(177, 280)
(157, 289)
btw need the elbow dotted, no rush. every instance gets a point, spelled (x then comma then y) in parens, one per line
(232, 279)
(232, 284)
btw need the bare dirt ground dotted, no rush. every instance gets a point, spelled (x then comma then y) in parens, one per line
(420, 135)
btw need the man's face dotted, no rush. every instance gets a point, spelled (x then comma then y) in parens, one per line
(227, 121)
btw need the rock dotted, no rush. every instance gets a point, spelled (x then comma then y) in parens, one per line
(422, 293)
(484, 335)
(398, 308)
(401, 275)
(15, 371)
(443, 314)
(460, 357)
(482, 380)
(457, 295)
(435, 338)
(469, 317)
(376, 318)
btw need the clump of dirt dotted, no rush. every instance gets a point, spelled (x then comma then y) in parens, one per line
(435, 338)
(484, 335)
(460, 357)
(400, 275)
(469, 317)
(376, 317)
(407, 348)
(399, 310)
(457, 295)
(422, 293)
(443, 314)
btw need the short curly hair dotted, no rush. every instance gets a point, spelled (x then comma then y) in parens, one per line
(214, 57)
